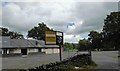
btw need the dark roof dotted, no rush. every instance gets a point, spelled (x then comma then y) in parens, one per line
(22, 43)
(6, 42)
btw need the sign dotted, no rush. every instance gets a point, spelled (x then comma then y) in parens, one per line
(50, 37)
(54, 37)
(59, 38)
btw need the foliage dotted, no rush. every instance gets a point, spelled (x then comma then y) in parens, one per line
(96, 39)
(84, 45)
(111, 30)
(70, 46)
(12, 34)
(4, 31)
(108, 39)
(39, 31)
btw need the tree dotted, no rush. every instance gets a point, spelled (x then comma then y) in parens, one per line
(4, 31)
(70, 46)
(96, 39)
(12, 34)
(84, 45)
(16, 35)
(39, 31)
(111, 30)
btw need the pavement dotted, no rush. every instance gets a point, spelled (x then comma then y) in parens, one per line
(106, 60)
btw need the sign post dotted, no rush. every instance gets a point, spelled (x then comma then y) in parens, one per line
(59, 41)
(54, 38)
(60, 54)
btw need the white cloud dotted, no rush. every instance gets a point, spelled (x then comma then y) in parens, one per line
(59, 0)
(71, 27)
(0, 14)
(72, 38)
(22, 16)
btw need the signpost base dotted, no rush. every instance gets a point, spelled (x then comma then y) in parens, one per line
(60, 52)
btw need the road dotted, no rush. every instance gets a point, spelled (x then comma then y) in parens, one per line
(104, 59)
(32, 60)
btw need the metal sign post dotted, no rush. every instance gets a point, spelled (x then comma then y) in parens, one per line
(60, 53)
(59, 41)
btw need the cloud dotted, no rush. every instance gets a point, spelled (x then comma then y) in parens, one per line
(0, 13)
(71, 26)
(72, 38)
(59, 0)
(86, 16)
(92, 15)
(15, 17)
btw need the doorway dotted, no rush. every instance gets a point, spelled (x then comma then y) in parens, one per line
(24, 51)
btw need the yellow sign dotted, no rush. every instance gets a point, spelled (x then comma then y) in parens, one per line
(50, 32)
(50, 37)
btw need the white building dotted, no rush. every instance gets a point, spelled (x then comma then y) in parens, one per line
(25, 46)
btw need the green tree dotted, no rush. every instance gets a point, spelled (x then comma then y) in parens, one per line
(84, 45)
(16, 35)
(4, 31)
(39, 31)
(96, 39)
(12, 34)
(70, 46)
(111, 30)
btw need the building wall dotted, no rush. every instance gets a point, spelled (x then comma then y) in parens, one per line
(48, 51)
(32, 50)
(51, 50)
(42, 50)
(19, 50)
(14, 50)
(56, 50)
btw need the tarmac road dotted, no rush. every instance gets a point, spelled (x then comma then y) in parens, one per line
(33, 60)
(104, 59)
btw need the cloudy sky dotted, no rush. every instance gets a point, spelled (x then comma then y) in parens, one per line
(74, 18)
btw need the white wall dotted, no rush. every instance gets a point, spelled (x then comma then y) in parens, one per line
(15, 51)
(48, 51)
(8, 51)
(28, 50)
(52, 50)
(19, 50)
(42, 50)
(55, 50)
(32, 50)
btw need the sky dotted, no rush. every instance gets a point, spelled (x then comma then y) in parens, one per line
(74, 18)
